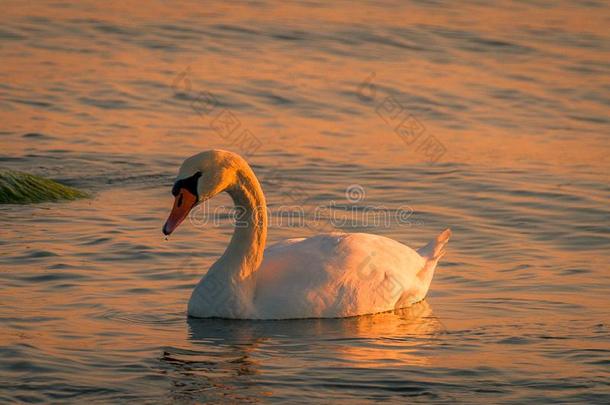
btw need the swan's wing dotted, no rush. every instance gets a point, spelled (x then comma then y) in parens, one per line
(282, 244)
(335, 275)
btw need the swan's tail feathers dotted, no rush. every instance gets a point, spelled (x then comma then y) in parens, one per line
(436, 248)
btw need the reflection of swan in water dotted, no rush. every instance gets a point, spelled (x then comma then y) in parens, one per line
(416, 320)
(325, 276)
(238, 360)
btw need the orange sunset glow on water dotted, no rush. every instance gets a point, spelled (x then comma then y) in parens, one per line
(397, 120)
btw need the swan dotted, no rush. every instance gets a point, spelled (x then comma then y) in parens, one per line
(332, 275)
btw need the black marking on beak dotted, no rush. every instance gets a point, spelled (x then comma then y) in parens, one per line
(189, 183)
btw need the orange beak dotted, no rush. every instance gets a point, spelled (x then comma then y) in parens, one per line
(184, 202)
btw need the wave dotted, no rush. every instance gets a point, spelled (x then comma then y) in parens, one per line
(24, 188)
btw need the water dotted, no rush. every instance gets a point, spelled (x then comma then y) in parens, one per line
(101, 97)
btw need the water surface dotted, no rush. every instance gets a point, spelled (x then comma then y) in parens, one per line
(110, 98)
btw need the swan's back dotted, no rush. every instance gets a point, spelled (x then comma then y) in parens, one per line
(339, 275)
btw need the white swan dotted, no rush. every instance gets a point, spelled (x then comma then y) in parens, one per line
(325, 276)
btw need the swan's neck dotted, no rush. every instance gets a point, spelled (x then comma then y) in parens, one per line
(245, 251)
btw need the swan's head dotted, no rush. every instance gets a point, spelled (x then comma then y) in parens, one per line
(201, 177)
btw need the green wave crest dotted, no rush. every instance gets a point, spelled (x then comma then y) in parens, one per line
(24, 188)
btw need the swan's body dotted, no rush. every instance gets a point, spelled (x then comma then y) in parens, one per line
(325, 276)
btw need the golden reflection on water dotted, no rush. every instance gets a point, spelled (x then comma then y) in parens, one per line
(232, 355)
(516, 92)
